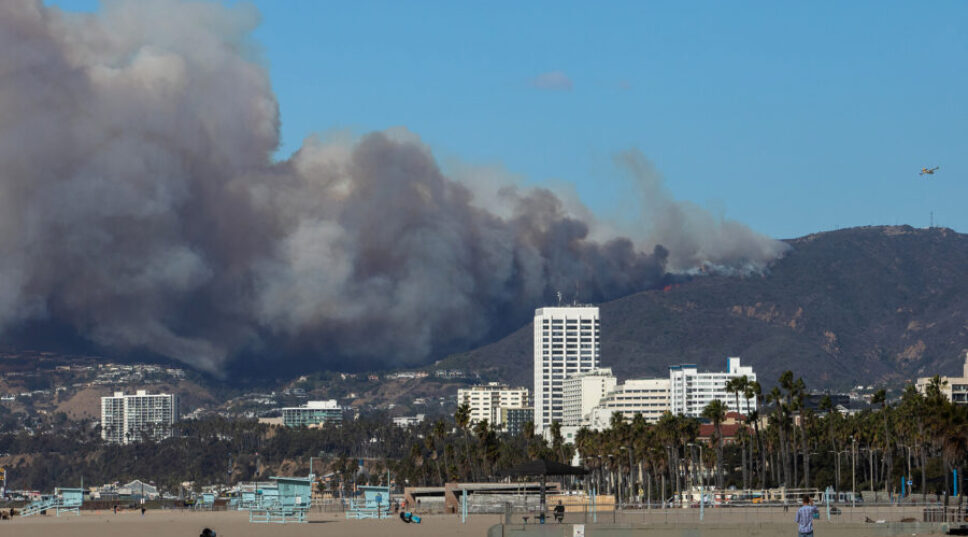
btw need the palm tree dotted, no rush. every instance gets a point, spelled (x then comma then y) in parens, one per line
(439, 433)
(753, 390)
(669, 432)
(557, 442)
(462, 417)
(800, 391)
(779, 416)
(431, 446)
(715, 412)
(954, 445)
(880, 397)
(737, 385)
(482, 432)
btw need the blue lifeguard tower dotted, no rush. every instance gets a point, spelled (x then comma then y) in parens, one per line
(64, 500)
(375, 503)
(267, 497)
(71, 500)
(247, 500)
(205, 502)
(291, 502)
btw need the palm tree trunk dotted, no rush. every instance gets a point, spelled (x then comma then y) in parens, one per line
(759, 442)
(783, 455)
(888, 454)
(805, 451)
(719, 457)
(467, 453)
(924, 475)
(745, 476)
(947, 484)
(870, 453)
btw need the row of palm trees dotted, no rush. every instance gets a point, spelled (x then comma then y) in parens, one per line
(788, 445)
(782, 441)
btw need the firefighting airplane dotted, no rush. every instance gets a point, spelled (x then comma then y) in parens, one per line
(929, 171)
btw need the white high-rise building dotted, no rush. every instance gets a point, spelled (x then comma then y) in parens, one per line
(487, 400)
(649, 397)
(129, 418)
(581, 392)
(690, 391)
(566, 342)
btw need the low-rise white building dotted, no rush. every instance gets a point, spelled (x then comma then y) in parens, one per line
(581, 392)
(954, 388)
(408, 421)
(487, 400)
(313, 414)
(690, 390)
(649, 397)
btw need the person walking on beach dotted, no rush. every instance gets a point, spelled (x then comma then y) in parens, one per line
(805, 516)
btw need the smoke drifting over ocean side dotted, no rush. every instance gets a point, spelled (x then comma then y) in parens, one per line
(141, 206)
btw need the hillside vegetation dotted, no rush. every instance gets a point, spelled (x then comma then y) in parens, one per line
(863, 305)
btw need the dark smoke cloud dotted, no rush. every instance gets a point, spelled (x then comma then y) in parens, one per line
(140, 205)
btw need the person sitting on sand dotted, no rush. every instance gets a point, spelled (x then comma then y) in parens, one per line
(207, 533)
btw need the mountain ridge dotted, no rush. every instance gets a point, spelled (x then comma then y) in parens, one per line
(866, 305)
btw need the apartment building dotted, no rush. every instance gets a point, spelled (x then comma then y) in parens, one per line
(487, 400)
(131, 418)
(691, 390)
(566, 342)
(581, 392)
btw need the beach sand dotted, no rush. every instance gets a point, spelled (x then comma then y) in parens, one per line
(235, 524)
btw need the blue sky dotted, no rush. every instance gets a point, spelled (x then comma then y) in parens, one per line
(793, 117)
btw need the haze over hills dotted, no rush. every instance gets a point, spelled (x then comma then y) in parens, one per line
(867, 305)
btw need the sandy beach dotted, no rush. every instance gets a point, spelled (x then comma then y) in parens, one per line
(235, 524)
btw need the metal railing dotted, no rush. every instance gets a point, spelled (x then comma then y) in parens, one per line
(749, 514)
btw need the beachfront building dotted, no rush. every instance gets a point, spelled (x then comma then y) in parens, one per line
(131, 418)
(648, 397)
(566, 342)
(408, 421)
(954, 388)
(690, 390)
(581, 392)
(487, 400)
(514, 419)
(313, 414)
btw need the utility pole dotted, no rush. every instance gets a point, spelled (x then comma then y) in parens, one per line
(853, 472)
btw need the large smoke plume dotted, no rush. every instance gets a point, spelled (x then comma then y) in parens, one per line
(140, 206)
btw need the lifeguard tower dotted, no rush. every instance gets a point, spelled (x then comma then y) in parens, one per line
(375, 503)
(290, 504)
(247, 500)
(205, 502)
(64, 500)
(71, 500)
(267, 497)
